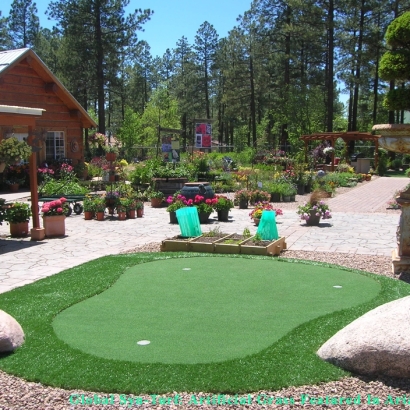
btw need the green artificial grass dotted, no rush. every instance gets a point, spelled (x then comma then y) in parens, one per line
(291, 360)
(196, 312)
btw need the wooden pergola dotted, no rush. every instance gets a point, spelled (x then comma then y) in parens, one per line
(346, 137)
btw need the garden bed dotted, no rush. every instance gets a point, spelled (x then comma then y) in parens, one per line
(224, 243)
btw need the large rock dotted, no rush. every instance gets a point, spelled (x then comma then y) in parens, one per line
(377, 343)
(11, 333)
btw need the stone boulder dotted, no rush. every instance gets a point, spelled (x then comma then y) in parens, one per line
(377, 343)
(11, 333)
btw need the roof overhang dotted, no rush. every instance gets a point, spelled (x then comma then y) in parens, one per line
(11, 109)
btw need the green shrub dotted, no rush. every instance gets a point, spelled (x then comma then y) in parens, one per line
(382, 165)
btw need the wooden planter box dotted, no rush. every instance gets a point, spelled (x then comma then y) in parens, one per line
(216, 245)
(272, 248)
(222, 247)
(177, 244)
(200, 244)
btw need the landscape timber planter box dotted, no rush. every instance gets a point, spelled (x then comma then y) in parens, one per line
(273, 248)
(230, 244)
(176, 244)
(205, 243)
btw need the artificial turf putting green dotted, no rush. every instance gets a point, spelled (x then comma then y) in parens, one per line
(201, 311)
(290, 361)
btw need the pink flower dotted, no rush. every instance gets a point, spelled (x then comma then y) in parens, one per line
(45, 209)
(60, 210)
(63, 200)
(58, 202)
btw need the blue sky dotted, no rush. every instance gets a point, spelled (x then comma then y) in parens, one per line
(172, 19)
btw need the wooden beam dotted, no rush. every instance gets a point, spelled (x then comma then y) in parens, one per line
(51, 88)
(75, 114)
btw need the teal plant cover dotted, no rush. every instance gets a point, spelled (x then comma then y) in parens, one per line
(267, 228)
(188, 222)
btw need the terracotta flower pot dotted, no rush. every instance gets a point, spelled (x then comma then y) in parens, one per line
(19, 229)
(110, 156)
(122, 215)
(88, 215)
(156, 202)
(14, 187)
(140, 212)
(131, 214)
(100, 216)
(54, 225)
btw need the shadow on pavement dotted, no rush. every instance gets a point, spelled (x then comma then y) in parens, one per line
(16, 244)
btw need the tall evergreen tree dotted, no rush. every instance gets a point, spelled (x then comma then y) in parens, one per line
(5, 39)
(107, 35)
(24, 24)
(206, 43)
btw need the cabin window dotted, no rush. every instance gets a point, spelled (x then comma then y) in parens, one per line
(55, 145)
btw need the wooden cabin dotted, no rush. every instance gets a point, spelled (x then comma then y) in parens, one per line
(34, 102)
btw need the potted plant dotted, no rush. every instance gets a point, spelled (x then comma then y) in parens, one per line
(122, 206)
(54, 214)
(156, 198)
(15, 175)
(276, 189)
(222, 205)
(259, 196)
(99, 207)
(111, 200)
(242, 197)
(140, 209)
(204, 207)
(12, 150)
(395, 66)
(288, 192)
(314, 209)
(18, 216)
(256, 213)
(175, 202)
(89, 208)
(111, 152)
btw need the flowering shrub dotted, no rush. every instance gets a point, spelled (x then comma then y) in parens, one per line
(177, 201)
(57, 207)
(259, 196)
(45, 171)
(256, 213)
(242, 195)
(97, 139)
(16, 174)
(203, 205)
(66, 171)
(222, 203)
(13, 150)
(318, 208)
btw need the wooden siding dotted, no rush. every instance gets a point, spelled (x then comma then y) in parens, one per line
(22, 86)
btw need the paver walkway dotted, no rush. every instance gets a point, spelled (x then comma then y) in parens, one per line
(354, 228)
